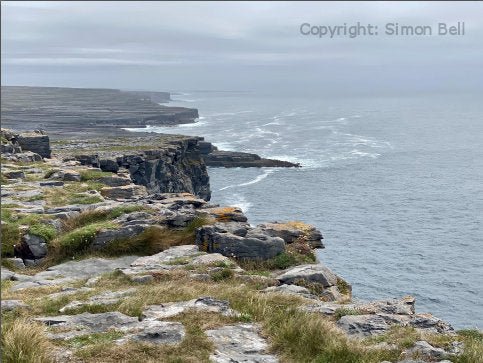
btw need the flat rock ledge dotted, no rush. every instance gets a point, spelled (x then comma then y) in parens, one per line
(239, 343)
(66, 327)
(361, 320)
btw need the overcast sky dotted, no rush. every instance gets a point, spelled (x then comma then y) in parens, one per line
(239, 46)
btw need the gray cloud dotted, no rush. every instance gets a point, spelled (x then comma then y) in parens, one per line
(237, 45)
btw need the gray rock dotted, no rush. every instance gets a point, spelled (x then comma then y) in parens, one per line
(6, 274)
(212, 259)
(227, 214)
(431, 323)
(124, 192)
(52, 183)
(166, 256)
(291, 232)
(403, 306)
(424, 349)
(36, 245)
(253, 246)
(157, 332)
(205, 304)
(363, 325)
(107, 236)
(16, 174)
(106, 298)
(65, 209)
(86, 323)
(9, 305)
(291, 290)
(115, 181)
(16, 262)
(26, 157)
(239, 343)
(72, 271)
(67, 175)
(35, 142)
(109, 165)
(311, 273)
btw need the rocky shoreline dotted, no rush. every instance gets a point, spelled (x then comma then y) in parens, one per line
(112, 246)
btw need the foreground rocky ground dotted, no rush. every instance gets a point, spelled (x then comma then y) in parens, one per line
(119, 263)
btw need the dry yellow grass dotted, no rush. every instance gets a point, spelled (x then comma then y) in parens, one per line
(24, 341)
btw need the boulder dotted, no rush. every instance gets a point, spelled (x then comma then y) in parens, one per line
(227, 214)
(36, 142)
(27, 157)
(424, 349)
(319, 279)
(16, 262)
(253, 246)
(294, 231)
(311, 273)
(34, 247)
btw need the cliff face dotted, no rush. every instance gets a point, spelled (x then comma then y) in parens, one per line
(168, 164)
(173, 170)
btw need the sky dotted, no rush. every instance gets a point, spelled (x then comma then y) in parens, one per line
(240, 46)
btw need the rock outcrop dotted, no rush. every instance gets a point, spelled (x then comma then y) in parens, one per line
(235, 159)
(25, 146)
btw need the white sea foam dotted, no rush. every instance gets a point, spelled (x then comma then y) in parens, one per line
(224, 146)
(238, 200)
(258, 179)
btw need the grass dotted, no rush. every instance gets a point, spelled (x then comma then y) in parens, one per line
(340, 312)
(10, 229)
(24, 341)
(93, 216)
(95, 338)
(223, 274)
(45, 231)
(153, 240)
(77, 242)
(93, 174)
(291, 257)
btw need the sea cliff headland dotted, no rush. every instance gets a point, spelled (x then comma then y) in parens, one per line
(111, 251)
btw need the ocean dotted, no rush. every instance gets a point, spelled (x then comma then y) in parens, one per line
(395, 184)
